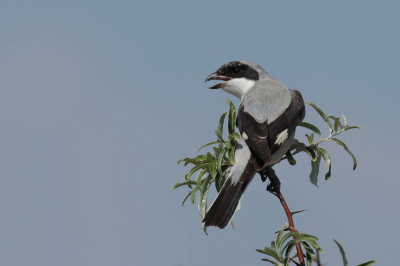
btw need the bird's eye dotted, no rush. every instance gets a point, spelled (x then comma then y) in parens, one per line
(236, 70)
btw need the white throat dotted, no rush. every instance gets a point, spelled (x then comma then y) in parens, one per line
(238, 86)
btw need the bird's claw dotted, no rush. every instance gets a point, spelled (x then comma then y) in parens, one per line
(274, 186)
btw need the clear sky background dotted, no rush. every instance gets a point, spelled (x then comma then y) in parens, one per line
(99, 99)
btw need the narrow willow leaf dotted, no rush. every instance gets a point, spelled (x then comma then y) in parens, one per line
(273, 245)
(208, 144)
(311, 153)
(221, 123)
(308, 259)
(270, 261)
(213, 168)
(315, 171)
(193, 194)
(278, 238)
(202, 201)
(287, 253)
(200, 177)
(217, 150)
(290, 158)
(327, 160)
(232, 117)
(310, 127)
(183, 183)
(217, 182)
(351, 127)
(308, 249)
(344, 120)
(271, 252)
(342, 252)
(294, 241)
(323, 115)
(294, 145)
(187, 196)
(368, 263)
(310, 138)
(219, 136)
(235, 134)
(228, 144)
(231, 156)
(220, 158)
(194, 169)
(284, 238)
(341, 144)
(201, 157)
(336, 124)
(178, 162)
(315, 245)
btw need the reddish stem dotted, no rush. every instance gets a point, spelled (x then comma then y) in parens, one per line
(291, 226)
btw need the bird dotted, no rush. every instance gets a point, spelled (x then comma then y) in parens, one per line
(267, 118)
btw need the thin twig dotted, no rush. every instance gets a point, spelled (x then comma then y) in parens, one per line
(299, 211)
(316, 144)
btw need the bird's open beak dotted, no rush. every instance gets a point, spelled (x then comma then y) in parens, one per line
(214, 76)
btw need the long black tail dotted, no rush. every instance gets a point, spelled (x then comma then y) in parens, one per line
(224, 206)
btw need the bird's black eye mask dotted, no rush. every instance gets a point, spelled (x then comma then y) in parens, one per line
(238, 70)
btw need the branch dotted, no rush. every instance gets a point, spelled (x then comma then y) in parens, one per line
(291, 226)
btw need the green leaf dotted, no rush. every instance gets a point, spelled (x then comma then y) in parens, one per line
(278, 238)
(208, 144)
(220, 158)
(310, 127)
(187, 196)
(194, 169)
(270, 261)
(315, 245)
(271, 252)
(368, 263)
(235, 134)
(221, 123)
(295, 144)
(183, 183)
(231, 156)
(213, 168)
(209, 157)
(228, 144)
(202, 201)
(193, 194)
(323, 115)
(351, 127)
(340, 143)
(287, 253)
(232, 117)
(310, 138)
(337, 123)
(200, 177)
(344, 120)
(284, 238)
(327, 160)
(308, 249)
(273, 245)
(311, 153)
(178, 162)
(219, 136)
(342, 252)
(315, 171)
(290, 158)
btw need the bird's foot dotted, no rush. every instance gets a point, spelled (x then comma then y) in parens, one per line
(275, 185)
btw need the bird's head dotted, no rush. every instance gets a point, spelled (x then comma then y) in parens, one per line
(238, 77)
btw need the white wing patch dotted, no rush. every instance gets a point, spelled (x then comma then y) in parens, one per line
(281, 137)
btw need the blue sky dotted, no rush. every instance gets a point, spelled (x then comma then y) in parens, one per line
(99, 99)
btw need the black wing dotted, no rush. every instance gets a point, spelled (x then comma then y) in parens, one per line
(262, 137)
